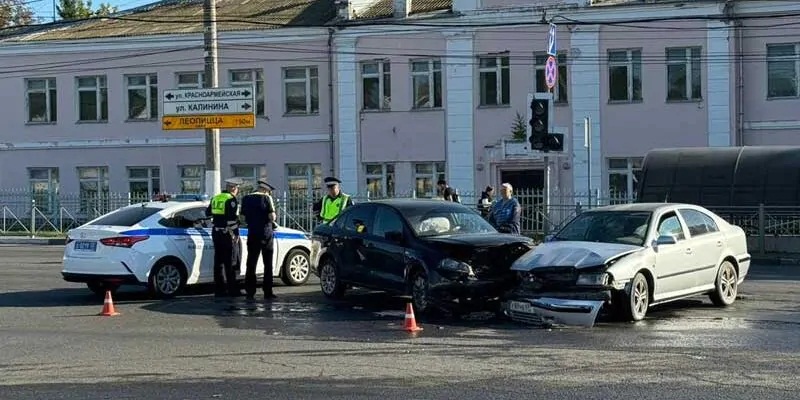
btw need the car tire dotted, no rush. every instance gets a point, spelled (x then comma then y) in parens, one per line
(329, 282)
(726, 286)
(296, 268)
(99, 288)
(634, 304)
(419, 289)
(167, 279)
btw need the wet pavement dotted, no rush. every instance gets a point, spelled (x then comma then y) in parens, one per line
(54, 346)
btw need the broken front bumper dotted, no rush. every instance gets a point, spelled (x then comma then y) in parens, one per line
(560, 309)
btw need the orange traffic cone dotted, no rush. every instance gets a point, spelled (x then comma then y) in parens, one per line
(411, 322)
(108, 306)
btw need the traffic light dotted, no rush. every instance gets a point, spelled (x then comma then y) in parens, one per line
(554, 142)
(540, 123)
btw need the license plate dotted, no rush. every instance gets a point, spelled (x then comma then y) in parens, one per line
(85, 245)
(521, 307)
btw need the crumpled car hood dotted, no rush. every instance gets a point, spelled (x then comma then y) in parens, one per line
(571, 254)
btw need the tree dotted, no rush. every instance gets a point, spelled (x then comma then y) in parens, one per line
(15, 13)
(78, 9)
(519, 130)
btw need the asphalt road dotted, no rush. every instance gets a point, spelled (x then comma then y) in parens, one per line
(302, 346)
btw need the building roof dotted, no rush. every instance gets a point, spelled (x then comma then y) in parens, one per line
(385, 8)
(186, 17)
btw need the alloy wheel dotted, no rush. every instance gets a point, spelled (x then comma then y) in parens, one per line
(168, 279)
(298, 267)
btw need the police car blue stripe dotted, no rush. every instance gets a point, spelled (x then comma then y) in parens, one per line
(198, 232)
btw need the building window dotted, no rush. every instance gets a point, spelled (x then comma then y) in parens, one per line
(93, 193)
(684, 76)
(623, 178)
(377, 85)
(142, 96)
(561, 90)
(495, 81)
(426, 76)
(189, 80)
(380, 180)
(301, 88)
(42, 99)
(92, 99)
(249, 174)
(44, 188)
(303, 180)
(192, 179)
(625, 75)
(143, 183)
(251, 78)
(783, 70)
(426, 175)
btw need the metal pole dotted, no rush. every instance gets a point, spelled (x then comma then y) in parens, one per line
(546, 217)
(587, 143)
(213, 176)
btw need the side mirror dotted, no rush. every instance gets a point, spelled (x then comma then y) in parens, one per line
(666, 239)
(394, 236)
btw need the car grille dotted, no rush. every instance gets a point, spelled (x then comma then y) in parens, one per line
(550, 278)
(525, 318)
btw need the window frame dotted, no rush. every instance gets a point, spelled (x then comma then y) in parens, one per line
(633, 165)
(311, 83)
(151, 97)
(46, 200)
(630, 66)
(101, 201)
(50, 92)
(434, 74)
(690, 61)
(312, 177)
(502, 99)
(384, 76)
(183, 178)
(795, 58)
(154, 180)
(387, 175)
(705, 218)
(560, 95)
(259, 171)
(256, 83)
(100, 90)
(200, 80)
(434, 176)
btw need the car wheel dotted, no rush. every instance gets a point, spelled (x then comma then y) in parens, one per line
(420, 293)
(329, 281)
(635, 303)
(295, 268)
(100, 288)
(726, 286)
(166, 279)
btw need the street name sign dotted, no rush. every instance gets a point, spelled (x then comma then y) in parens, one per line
(208, 108)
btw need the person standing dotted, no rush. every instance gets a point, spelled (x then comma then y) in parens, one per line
(506, 211)
(330, 206)
(485, 203)
(225, 234)
(448, 193)
(259, 213)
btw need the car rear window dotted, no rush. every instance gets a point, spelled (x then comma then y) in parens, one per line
(127, 216)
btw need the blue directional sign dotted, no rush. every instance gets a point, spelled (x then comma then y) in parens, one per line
(551, 40)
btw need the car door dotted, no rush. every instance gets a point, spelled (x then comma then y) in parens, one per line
(673, 261)
(707, 245)
(353, 234)
(190, 238)
(385, 250)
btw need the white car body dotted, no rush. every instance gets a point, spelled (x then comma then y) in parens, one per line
(104, 256)
(569, 281)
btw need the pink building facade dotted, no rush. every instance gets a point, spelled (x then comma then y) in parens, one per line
(432, 91)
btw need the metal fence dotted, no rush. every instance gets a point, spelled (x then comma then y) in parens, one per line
(770, 229)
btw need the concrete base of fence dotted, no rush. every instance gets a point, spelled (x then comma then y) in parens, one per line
(789, 260)
(29, 240)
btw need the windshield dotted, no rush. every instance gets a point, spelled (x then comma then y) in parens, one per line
(447, 221)
(624, 227)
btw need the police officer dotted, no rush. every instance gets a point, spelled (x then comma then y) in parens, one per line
(258, 210)
(333, 203)
(225, 234)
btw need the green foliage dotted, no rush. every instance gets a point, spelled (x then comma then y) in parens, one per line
(520, 127)
(78, 9)
(15, 13)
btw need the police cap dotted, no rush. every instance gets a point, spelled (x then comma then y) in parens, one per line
(331, 181)
(262, 184)
(233, 182)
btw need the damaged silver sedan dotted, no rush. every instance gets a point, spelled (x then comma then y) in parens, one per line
(625, 259)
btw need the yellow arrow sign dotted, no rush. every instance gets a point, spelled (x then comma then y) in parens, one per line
(224, 121)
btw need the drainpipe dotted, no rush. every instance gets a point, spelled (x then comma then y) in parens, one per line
(738, 25)
(332, 135)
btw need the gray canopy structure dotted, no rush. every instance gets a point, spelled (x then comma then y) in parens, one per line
(722, 176)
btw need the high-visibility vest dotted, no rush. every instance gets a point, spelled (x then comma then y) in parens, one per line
(332, 207)
(218, 203)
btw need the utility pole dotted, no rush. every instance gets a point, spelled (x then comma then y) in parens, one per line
(587, 143)
(211, 80)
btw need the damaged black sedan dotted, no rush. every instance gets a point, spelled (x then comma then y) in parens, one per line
(442, 254)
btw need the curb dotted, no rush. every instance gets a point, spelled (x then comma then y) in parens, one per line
(32, 241)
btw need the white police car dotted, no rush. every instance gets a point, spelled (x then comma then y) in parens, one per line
(166, 246)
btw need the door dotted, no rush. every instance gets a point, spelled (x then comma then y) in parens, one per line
(707, 245)
(193, 242)
(673, 261)
(385, 253)
(529, 182)
(356, 229)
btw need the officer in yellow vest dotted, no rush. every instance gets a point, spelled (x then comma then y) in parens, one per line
(223, 209)
(334, 202)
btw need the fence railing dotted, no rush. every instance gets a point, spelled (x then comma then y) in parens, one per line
(35, 214)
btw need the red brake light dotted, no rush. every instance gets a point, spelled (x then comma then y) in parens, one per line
(123, 241)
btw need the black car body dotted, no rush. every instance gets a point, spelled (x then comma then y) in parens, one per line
(443, 254)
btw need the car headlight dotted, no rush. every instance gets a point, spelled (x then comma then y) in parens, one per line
(597, 279)
(451, 265)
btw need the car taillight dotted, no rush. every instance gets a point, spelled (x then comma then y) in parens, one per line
(123, 241)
